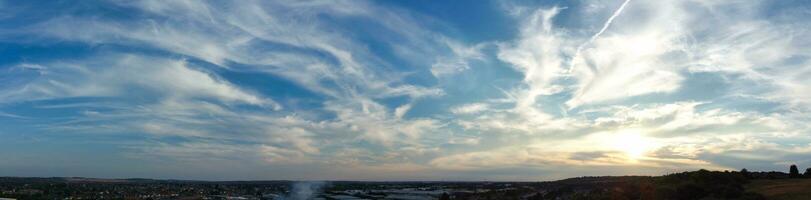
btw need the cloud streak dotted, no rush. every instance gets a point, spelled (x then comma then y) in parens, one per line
(600, 32)
(382, 90)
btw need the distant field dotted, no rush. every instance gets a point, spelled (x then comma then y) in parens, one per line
(782, 189)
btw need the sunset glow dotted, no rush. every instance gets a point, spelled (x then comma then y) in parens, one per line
(402, 90)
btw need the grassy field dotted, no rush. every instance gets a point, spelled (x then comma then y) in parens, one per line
(781, 189)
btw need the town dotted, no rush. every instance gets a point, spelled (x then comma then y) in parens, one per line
(743, 184)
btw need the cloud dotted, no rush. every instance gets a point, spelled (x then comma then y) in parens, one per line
(536, 55)
(470, 108)
(632, 60)
(345, 86)
(602, 30)
(3, 114)
(540, 159)
(119, 75)
(377, 124)
(459, 60)
(325, 62)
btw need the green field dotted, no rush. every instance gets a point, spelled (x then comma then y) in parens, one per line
(780, 189)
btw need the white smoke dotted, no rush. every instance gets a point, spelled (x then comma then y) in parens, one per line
(305, 190)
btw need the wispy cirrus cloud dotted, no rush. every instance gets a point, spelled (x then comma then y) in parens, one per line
(394, 89)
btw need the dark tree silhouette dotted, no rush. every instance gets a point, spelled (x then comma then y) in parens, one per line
(745, 173)
(445, 196)
(807, 173)
(793, 172)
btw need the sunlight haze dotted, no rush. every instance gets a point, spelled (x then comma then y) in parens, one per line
(402, 90)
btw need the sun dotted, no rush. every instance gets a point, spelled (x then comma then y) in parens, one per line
(633, 144)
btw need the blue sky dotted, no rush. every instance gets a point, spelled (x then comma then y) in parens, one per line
(402, 90)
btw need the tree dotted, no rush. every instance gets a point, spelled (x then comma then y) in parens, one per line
(793, 172)
(745, 173)
(807, 173)
(445, 196)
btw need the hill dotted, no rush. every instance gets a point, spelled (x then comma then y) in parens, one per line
(781, 189)
(701, 184)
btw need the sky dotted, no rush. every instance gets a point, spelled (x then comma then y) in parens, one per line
(402, 90)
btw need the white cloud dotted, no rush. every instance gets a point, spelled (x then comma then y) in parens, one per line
(459, 61)
(402, 110)
(112, 75)
(581, 98)
(633, 60)
(330, 63)
(376, 124)
(464, 141)
(600, 32)
(537, 55)
(470, 108)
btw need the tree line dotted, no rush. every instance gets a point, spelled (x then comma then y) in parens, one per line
(794, 172)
